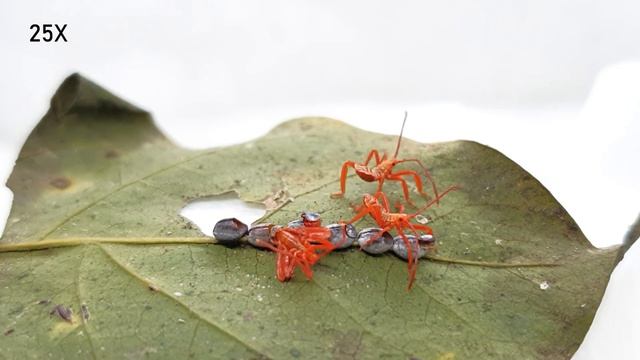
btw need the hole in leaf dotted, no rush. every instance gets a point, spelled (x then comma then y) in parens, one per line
(207, 211)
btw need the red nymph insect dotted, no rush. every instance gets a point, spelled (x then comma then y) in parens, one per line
(378, 207)
(300, 246)
(383, 170)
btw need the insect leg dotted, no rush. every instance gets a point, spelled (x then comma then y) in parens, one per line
(415, 176)
(364, 210)
(405, 188)
(415, 227)
(343, 178)
(372, 154)
(382, 198)
(427, 174)
(412, 259)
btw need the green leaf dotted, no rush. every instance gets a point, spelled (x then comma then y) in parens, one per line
(95, 226)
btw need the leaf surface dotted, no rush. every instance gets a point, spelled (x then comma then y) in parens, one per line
(97, 195)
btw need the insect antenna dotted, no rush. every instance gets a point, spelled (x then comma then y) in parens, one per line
(436, 200)
(395, 155)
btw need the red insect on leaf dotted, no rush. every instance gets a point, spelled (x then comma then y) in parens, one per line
(384, 170)
(377, 206)
(299, 247)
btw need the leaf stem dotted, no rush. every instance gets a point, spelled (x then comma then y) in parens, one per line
(77, 241)
(486, 263)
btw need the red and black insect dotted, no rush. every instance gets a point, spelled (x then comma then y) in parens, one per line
(384, 170)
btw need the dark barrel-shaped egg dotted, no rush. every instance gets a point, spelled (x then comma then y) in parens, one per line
(229, 231)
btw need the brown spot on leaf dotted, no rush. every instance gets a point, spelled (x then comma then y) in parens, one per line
(63, 312)
(84, 309)
(111, 154)
(60, 183)
(247, 316)
(347, 345)
(295, 352)
(9, 332)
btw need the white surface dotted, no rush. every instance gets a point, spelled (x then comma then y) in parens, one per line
(206, 212)
(551, 84)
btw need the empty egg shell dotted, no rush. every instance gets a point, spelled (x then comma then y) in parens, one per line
(295, 223)
(427, 239)
(381, 244)
(400, 248)
(342, 239)
(310, 216)
(259, 232)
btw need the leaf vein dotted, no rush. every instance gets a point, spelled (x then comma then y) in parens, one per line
(80, 303)
(91, 204)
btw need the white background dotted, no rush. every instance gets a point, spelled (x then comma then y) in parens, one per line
(554, 85)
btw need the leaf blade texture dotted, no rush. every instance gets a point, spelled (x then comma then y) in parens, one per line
(98, 177)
